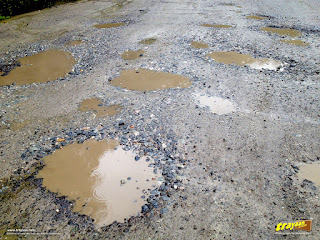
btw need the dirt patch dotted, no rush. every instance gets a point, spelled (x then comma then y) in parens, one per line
(42, 67)
(108, 25)
(310, 172)
(295, 42)
(199, 44)
(131, 55)
(148, 80)
(74, 43)
(148, 41)
(239, 59)
(95, 105)
(283, 31)
(105, 183)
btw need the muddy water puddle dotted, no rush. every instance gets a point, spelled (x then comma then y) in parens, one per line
(131, 55)
(216, 105)
(39, 68)
(256, 17)
(196, 44)
(239, 59)
(148, 80)
(295, 42)
(74, 43)
(108, 25)
(105, 183)
(216, 25)
(283, 31)
(95, 105)
(310, 172)
(148, 41)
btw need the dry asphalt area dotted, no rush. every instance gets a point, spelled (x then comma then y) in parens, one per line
(229, 136)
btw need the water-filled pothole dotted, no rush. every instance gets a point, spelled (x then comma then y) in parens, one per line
(239, 59)
(41, 67)
(74, 43)
(216, 25)
(256, 17)
(148, 41)
(131, 55)
(216, 105)
(108, 25)
(106, 183)
(148, 80)
(95, 105)
(310, 172)
(199, 44)
(283, 31)
(295, 42)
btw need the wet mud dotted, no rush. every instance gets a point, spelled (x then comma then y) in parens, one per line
(199, 44)
(95, 105)
(282, 31)
(131, 55)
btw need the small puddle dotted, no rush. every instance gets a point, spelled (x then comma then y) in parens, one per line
(95, 105)
(295, 42)
(17, 125)
(148, 80)
(256, 17)
(105, 183)
(39, 68)
(310, 172)
(216, 25)
(239, 59)
(217, 105)
(108, 25)
(199, 44)
(74, 43)
(131, 55)
(283, 31)
(148, 41)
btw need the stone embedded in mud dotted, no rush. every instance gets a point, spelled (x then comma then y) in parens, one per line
(295, 42)
(310, 172)
(95, 105)
(199, 44)
(283, 31)
(239, 59)
(131, 55)
(108, 25)
(216, 25)
(92, 174)
(148, 41)
(41, 67)
(257, 17)
(148, 80)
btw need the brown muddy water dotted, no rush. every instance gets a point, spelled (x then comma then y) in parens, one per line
(148, 41)
(295, 42)
(95, 105)
(256, 17)
(108, 25)
(239, 59)
(199, 44)
(310, 172)
(42, 67)
(216, 25)
(74, 43)
(131, 55)
(105, 183)
(283, 31)
(148, 80)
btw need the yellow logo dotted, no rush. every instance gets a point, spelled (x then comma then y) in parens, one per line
(304, 225)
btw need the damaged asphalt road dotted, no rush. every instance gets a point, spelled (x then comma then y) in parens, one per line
(228, 136)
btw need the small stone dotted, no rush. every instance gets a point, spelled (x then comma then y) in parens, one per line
(122, 181)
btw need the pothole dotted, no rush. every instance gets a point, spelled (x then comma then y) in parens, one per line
(42, 67)
(131, 55)
(95, 105)
(148, 41)
(216, 25)
(256, 17)
(108, 25)
(148, 80)
(17, 125)
(283, 31)
(239, 59)
(199, 44)
(295, 42)
(74, 43)
(310, 172)
(216, 105)
(106, 182)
